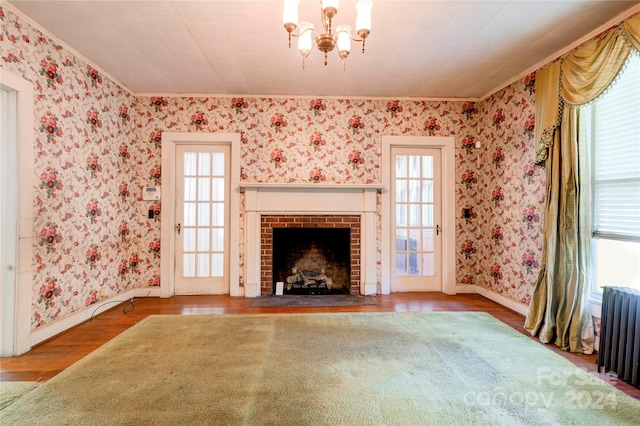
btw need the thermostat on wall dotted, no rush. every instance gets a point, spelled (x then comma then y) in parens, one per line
(151, 193)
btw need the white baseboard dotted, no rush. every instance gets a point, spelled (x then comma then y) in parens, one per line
(369, 289)
(252, 290)
(466, 289)
(518, 307)
(143, 292)
(48, 331)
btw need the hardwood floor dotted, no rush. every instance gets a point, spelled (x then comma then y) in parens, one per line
(49, 358)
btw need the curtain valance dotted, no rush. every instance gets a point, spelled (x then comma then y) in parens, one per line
(579, 78)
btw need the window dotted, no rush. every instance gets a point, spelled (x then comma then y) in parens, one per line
(610, 138)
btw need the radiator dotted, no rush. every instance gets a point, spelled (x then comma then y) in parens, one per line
(620, 334)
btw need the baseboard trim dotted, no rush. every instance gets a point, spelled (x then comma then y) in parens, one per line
(518, 307)
(466, 289)
(143, 292)
(368, 289)
(252, 289)
(48, 331)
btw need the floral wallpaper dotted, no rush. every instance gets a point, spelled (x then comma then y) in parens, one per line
(505, 230)
(96, 145)
(84, 221)
(299, 139)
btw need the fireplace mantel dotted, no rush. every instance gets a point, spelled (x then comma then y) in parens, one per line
(304, 185)
(313, 199)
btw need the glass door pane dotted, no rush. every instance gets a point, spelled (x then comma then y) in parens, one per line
(414, 214)
(204, 214)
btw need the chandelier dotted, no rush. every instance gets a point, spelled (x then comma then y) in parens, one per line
(328, 39)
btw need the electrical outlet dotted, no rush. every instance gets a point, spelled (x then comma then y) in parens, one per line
(467, 268)
(103, 293)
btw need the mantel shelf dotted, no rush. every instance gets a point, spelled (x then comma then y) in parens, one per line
(305, 186)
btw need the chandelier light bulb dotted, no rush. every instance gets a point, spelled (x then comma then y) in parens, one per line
(290, 16)
(330, 3)
(305, 40)
(330, 8)
(363, 20)
(290, 12)
(343, 32)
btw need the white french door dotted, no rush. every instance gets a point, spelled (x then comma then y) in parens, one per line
(416, 217)
(16, 218)
(8, 219)
(202, 219)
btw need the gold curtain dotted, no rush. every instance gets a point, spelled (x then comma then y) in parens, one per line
(548, 109)
(632, 29)
(559, 306)
(589, 70)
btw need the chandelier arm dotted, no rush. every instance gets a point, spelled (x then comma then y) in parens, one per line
(354, 38)
(359, 40)
(304, 32)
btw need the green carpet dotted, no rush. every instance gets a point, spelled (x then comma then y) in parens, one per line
(12, 391)
(323, 369)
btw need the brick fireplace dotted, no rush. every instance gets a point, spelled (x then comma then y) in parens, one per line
(269, 222)
(270, 206)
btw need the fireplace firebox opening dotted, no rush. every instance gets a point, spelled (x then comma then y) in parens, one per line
(312, 260)
(323, 222)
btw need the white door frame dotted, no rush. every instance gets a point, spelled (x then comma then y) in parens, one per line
(446, 145)
(167, 227)
(16, 295)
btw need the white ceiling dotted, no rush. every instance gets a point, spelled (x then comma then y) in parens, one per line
(423, 49)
